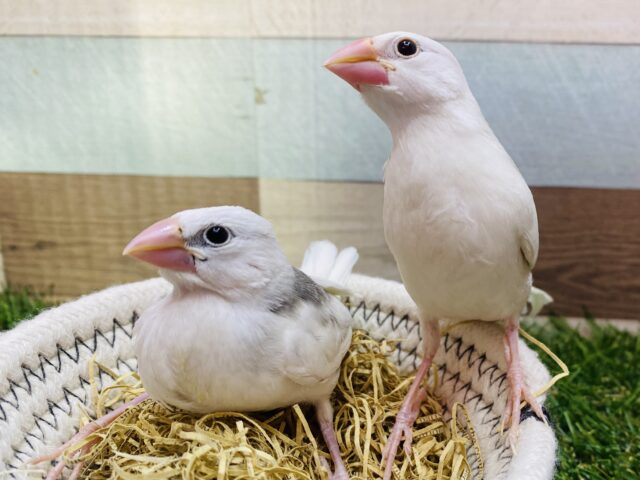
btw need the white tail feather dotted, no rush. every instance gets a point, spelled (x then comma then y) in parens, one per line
(537, 299)
(328, 267)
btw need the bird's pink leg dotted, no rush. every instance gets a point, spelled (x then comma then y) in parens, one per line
(411, 405)
(56, 471)
(84, 432)
(324, 413)
(75, 473)
(78, 467)
(517, 388)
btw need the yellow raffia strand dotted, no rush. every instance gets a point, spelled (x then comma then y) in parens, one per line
(152, 441)
(544, 389)
(563, 366)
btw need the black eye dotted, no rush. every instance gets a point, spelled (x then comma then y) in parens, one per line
(407, 47)
(217, 235)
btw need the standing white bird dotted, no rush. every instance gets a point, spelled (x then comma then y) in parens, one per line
(242, 329)
(459, 218)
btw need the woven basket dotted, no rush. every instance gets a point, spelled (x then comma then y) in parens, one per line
(43, 371)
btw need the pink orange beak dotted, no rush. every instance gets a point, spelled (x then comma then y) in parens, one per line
(358, 64)
(162, 245)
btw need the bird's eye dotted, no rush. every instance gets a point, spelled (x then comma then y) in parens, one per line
(217, 235)
(406, 47)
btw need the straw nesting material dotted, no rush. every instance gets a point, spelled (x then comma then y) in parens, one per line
(152, 441)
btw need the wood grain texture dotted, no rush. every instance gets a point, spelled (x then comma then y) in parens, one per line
(346, 213)
(590, 250)
(3, 278)
(615, 21)
(243, 108)
(68, 231)
(590, 238)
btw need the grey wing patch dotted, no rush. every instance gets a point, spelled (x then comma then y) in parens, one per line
(304, 290)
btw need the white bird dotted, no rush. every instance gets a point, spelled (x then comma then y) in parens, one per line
(242, 330)
(459, 218)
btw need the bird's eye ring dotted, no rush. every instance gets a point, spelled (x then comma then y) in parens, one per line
(217, 235)
(407, 48)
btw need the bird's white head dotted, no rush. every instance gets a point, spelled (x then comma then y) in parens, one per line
(227, 250)
(400, 73)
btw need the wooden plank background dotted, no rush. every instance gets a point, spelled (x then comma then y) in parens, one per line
(590, 250)
(586, 21)
(3, 279)
(234, 88)
(243, 108)
(69, 231)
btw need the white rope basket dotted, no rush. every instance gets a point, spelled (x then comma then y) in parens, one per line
(44, 372)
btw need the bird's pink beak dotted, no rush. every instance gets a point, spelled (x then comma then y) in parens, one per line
(162, 245)
(358, 64)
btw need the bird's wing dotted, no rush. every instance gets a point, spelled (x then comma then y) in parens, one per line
(314, 347)
(529, 249)
(528, 233)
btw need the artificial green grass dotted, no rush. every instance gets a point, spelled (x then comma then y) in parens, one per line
(18, 304)
(595, 411)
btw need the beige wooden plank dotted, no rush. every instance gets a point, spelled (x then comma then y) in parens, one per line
(585, 21)
(590, 238)
(3, 278)
(345, 213)
(68, 231)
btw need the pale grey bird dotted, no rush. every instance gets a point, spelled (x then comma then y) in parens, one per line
(459, 218)
(242, 330)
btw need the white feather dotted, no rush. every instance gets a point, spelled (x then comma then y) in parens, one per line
(319, 259)
(327, 267)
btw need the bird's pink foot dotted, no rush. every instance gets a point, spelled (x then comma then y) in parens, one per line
(324, 412)
(84, 432)
(518, 390)
(340, 472)
(402, 429)
(411, 406)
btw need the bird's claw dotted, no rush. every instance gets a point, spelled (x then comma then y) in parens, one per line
(84, 432)
(402, 428)
(339, 474)
(393, 442)
(511, 414)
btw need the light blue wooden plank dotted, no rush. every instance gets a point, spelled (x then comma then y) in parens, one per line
(569, 114)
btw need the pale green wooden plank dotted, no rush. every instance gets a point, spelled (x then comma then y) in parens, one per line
(207, 107)
(127, 106)
(569, 114)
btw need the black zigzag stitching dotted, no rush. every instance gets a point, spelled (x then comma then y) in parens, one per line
(466, 353)
(40, 374)
(382, 317)
(55, 361)
(462, 351)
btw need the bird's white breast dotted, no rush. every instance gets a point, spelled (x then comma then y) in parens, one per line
(204, 355)
(452, 226)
